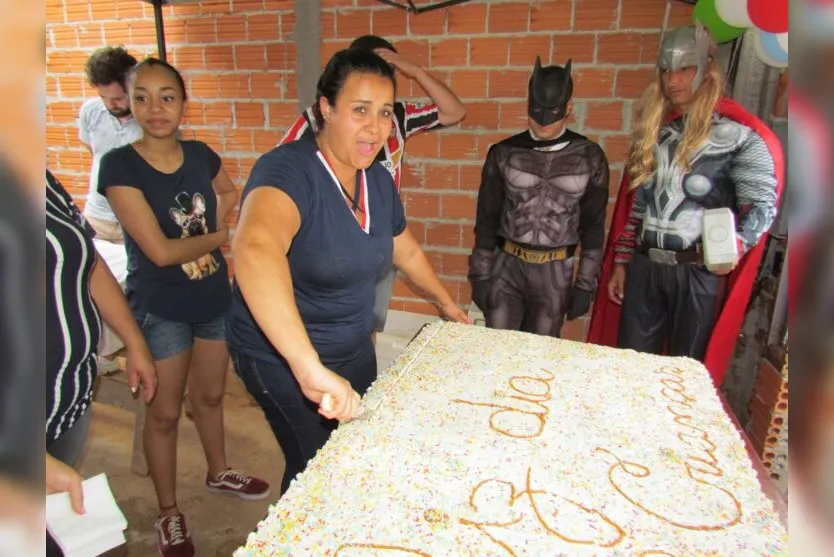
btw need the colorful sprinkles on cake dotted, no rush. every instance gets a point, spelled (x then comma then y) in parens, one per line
(499, 443)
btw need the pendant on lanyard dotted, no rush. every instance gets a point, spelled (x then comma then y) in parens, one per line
(354, 203)
(360, 184)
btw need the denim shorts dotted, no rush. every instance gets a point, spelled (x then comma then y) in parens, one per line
(168, 338)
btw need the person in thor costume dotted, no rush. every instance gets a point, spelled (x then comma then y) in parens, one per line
(543, 193)
(693, 150)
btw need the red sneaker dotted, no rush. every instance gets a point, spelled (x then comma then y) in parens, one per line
(233, 482)
(173, 537)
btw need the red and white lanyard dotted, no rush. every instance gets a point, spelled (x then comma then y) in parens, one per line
(361, 202)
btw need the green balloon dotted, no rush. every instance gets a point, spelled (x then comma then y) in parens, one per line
(706, 13)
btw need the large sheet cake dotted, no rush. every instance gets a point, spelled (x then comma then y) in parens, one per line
(495, 443)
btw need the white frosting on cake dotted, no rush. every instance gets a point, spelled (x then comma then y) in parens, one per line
(508, 444)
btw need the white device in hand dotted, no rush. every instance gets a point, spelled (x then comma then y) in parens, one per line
(719, 240)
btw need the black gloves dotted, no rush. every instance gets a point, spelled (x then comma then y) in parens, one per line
(480, 293)
(578, 303)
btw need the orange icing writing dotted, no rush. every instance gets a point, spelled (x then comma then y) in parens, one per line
(531, 392)
(702, 463)
(384, 548)
(700, 439)
(481, 527)
(610, 543)
(545, 508)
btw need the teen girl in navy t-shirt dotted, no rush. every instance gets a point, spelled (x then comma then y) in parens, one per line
(172, 198)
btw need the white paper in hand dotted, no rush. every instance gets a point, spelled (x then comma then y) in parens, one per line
(91, 534)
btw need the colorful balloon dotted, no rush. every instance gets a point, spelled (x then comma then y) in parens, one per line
(705, 13)
(770, 16)
(733, 12)
(783, 41)
(768, 49)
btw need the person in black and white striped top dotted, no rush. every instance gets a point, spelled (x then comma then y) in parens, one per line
(80, 291)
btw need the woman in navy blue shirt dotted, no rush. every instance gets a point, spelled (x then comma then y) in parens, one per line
(319, 223)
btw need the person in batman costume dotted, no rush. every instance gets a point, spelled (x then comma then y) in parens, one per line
(543, 194)
(693, 150)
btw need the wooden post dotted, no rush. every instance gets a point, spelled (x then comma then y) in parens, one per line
(307, 36)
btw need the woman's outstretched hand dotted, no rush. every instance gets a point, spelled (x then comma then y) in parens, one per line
(454, 312)
(316, 380)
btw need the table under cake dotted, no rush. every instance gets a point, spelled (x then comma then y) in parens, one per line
(484, 442)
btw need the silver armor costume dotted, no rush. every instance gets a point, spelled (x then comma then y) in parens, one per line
(732, 168)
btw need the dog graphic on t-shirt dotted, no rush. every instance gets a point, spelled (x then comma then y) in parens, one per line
(191, 218)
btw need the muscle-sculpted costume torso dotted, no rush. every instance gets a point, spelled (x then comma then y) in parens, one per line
(538, 200)
(730, 169)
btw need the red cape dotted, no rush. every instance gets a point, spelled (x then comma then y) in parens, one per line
(605, 319)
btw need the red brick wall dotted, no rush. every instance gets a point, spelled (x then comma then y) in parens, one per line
(238, 57)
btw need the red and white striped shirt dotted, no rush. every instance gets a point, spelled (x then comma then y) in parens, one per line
(410, 119)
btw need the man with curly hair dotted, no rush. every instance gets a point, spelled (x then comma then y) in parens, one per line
(104, 123)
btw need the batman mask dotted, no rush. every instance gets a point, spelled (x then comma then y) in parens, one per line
(548, 93)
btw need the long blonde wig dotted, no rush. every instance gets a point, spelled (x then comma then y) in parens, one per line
(654, 109)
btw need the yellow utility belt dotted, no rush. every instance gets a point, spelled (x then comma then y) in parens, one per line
(537, 257)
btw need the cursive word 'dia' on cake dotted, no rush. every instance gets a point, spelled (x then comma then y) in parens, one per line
(497, 443)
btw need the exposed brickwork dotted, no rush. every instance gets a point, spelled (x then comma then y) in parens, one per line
(238, 57)
(768, 424)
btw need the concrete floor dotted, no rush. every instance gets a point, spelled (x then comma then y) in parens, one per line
(218, 524)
